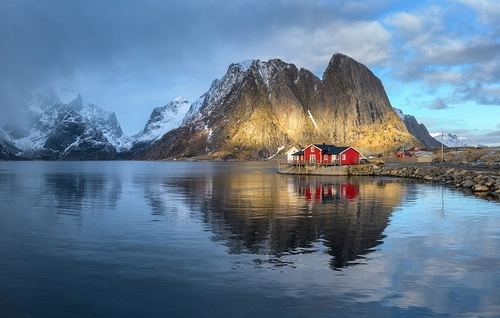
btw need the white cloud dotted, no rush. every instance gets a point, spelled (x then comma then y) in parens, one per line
(406, 22)
(312, 48)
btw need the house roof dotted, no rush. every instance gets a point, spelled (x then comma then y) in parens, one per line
(298, 153)
(331, 149)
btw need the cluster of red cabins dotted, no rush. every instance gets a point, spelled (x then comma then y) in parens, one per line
(325, 154)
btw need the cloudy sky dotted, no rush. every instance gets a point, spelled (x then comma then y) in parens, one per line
(438, 60)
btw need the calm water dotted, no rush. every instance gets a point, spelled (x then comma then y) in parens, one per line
(193, 239)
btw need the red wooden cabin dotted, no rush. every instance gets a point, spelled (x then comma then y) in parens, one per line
(327, 154)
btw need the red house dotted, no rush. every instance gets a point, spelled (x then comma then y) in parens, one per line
(327, 154)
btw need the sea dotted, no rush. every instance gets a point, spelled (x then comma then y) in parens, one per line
(237, 239)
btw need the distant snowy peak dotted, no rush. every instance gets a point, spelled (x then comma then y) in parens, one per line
(400, 113)
(163, 119)
(453, 140)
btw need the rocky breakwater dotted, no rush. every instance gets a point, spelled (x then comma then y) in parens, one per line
(485, 182)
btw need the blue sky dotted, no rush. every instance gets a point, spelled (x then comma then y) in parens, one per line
(438, 60)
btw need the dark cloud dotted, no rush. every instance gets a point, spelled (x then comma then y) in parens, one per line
(479, 93)
(130, 56)
(437, 104)
(113, 43)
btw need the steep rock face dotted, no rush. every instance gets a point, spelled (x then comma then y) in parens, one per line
(258, 107)
(354, 108)
(419, 131)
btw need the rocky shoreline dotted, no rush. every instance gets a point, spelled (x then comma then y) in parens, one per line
(483, 181)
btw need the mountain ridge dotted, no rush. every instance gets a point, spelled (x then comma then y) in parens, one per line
(254, 110)
(53, 127)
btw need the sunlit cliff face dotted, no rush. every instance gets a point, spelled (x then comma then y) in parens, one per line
(256, 109)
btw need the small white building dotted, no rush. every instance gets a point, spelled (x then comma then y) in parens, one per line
(289, 153)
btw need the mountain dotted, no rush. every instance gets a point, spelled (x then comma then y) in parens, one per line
(57, 126)
(452, 140)
(258, 107)
(419, 131)
(6, 154)
(162, 120)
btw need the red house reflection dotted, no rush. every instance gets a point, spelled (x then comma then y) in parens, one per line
(328, 192)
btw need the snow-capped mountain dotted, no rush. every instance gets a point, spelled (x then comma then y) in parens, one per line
(163, 119)
(452, 140)
(107, 123)
(57, 126)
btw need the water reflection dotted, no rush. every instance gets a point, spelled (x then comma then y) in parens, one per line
(60, 190)
(277, 216)
(226, 233)
(72, 193)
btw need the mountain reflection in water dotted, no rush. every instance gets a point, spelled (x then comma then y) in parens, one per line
(275, 216)
(236, 239)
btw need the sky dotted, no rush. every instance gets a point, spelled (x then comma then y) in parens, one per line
(438, 60)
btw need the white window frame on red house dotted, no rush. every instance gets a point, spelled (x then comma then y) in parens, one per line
(343, 156)
(312, 158)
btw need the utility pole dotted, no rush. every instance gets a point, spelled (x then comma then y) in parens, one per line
(442, 146)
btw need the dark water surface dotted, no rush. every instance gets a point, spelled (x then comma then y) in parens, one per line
(198, 239)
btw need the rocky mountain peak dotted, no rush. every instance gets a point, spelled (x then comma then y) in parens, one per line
(261, 106)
